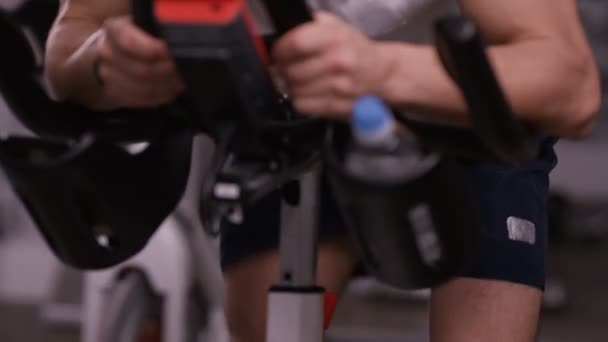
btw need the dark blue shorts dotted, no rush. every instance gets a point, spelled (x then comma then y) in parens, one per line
(512, 203)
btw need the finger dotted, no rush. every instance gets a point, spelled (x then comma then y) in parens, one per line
(306, 70)
(132, 41)
(133, 93)
(302, 42)
(326, 106)
(317, 67)
(152, 72)
(157, 71)
(340, 87)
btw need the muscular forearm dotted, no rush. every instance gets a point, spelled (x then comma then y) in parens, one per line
(556, 91)
(69, 63)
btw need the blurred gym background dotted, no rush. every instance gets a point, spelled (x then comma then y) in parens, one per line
(40, 298)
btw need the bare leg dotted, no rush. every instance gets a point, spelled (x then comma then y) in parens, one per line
(247, 284)
(475, 310)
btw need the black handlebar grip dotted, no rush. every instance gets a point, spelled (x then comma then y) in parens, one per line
(143, 16)
(462, 52)
(286, 15)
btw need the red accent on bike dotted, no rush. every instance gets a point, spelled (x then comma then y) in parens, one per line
(257, 38)
(198, 11)
(330, 303)
(211, 12)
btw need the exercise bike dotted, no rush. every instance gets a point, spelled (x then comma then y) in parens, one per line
(296, 305)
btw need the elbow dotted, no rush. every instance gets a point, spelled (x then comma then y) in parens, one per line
(586, 102)
(585, 117)
(579, 98)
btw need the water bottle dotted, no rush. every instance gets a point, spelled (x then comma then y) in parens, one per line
(407, 209)
(379, 148)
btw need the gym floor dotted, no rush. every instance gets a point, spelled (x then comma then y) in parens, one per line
(385, 318)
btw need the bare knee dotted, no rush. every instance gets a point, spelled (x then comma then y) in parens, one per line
(246, 285)
(474, 310)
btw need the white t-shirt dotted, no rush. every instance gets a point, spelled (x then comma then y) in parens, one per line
(404, 20)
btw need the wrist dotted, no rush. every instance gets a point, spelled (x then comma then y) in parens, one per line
(391, 84)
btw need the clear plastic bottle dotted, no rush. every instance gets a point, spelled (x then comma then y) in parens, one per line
(379, 149)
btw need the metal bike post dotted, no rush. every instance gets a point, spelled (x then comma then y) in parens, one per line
(295, 306)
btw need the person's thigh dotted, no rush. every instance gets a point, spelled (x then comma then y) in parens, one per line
(247, 283)
(498, 294)
(478, 310)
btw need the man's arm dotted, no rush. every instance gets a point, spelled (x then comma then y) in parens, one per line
(134, 69)
(538, 47)
(541, 57)
(70, 52)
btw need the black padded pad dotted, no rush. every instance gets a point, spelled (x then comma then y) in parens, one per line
(96, 204)
(17, 56)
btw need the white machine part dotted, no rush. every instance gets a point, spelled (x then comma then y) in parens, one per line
(178, 258)
(167, 265)
(295, 316)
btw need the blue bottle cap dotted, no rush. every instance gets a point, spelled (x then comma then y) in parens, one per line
(370, 114)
